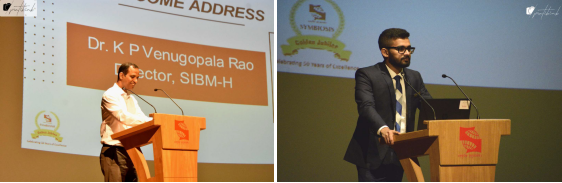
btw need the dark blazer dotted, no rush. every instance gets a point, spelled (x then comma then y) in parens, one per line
(375, 97)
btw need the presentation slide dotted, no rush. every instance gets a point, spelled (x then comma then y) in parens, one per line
(502, 45)
(214, 58)
(271, 55)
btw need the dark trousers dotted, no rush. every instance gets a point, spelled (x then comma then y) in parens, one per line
(389, 171)
(116, 165)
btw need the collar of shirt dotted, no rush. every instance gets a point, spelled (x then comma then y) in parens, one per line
(119, 91)
(393, 74)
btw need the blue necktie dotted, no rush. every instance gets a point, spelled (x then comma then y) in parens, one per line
(398, 104)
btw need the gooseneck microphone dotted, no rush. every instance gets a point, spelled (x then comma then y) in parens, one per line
(156, 89)
(419, 94)
(477, 113)
(141, 98)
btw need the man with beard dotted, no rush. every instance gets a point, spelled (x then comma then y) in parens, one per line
(386, 106)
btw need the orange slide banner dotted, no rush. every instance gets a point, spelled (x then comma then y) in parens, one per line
(185, 70)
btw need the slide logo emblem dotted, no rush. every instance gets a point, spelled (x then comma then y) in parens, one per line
(317, 12)
(318, 28)
(46, 126)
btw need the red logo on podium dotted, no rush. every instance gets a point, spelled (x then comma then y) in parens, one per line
(181, 130)
(470, 140)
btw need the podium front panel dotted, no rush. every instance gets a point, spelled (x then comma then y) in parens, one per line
(186, 169)
(180, 132)
(469, 142)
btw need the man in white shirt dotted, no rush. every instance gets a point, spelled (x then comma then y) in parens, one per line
(120, 111)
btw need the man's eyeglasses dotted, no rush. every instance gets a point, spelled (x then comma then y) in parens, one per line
(402, 49)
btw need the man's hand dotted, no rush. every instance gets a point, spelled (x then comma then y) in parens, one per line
(388, 135)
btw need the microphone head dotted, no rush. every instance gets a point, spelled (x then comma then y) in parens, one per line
(155, 89)
(444, 75)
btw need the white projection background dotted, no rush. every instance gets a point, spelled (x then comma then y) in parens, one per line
(479, 43)
(213, 57)
(273, 68)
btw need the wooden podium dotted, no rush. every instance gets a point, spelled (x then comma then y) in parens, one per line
(175, 140)
(459, 150)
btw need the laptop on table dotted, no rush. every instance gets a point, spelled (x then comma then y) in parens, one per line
(444, 109)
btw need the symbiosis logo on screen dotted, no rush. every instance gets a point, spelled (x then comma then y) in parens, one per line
(213, 8)
(314, 30)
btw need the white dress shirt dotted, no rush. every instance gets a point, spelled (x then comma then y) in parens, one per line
(400, 119)
(116, 114)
